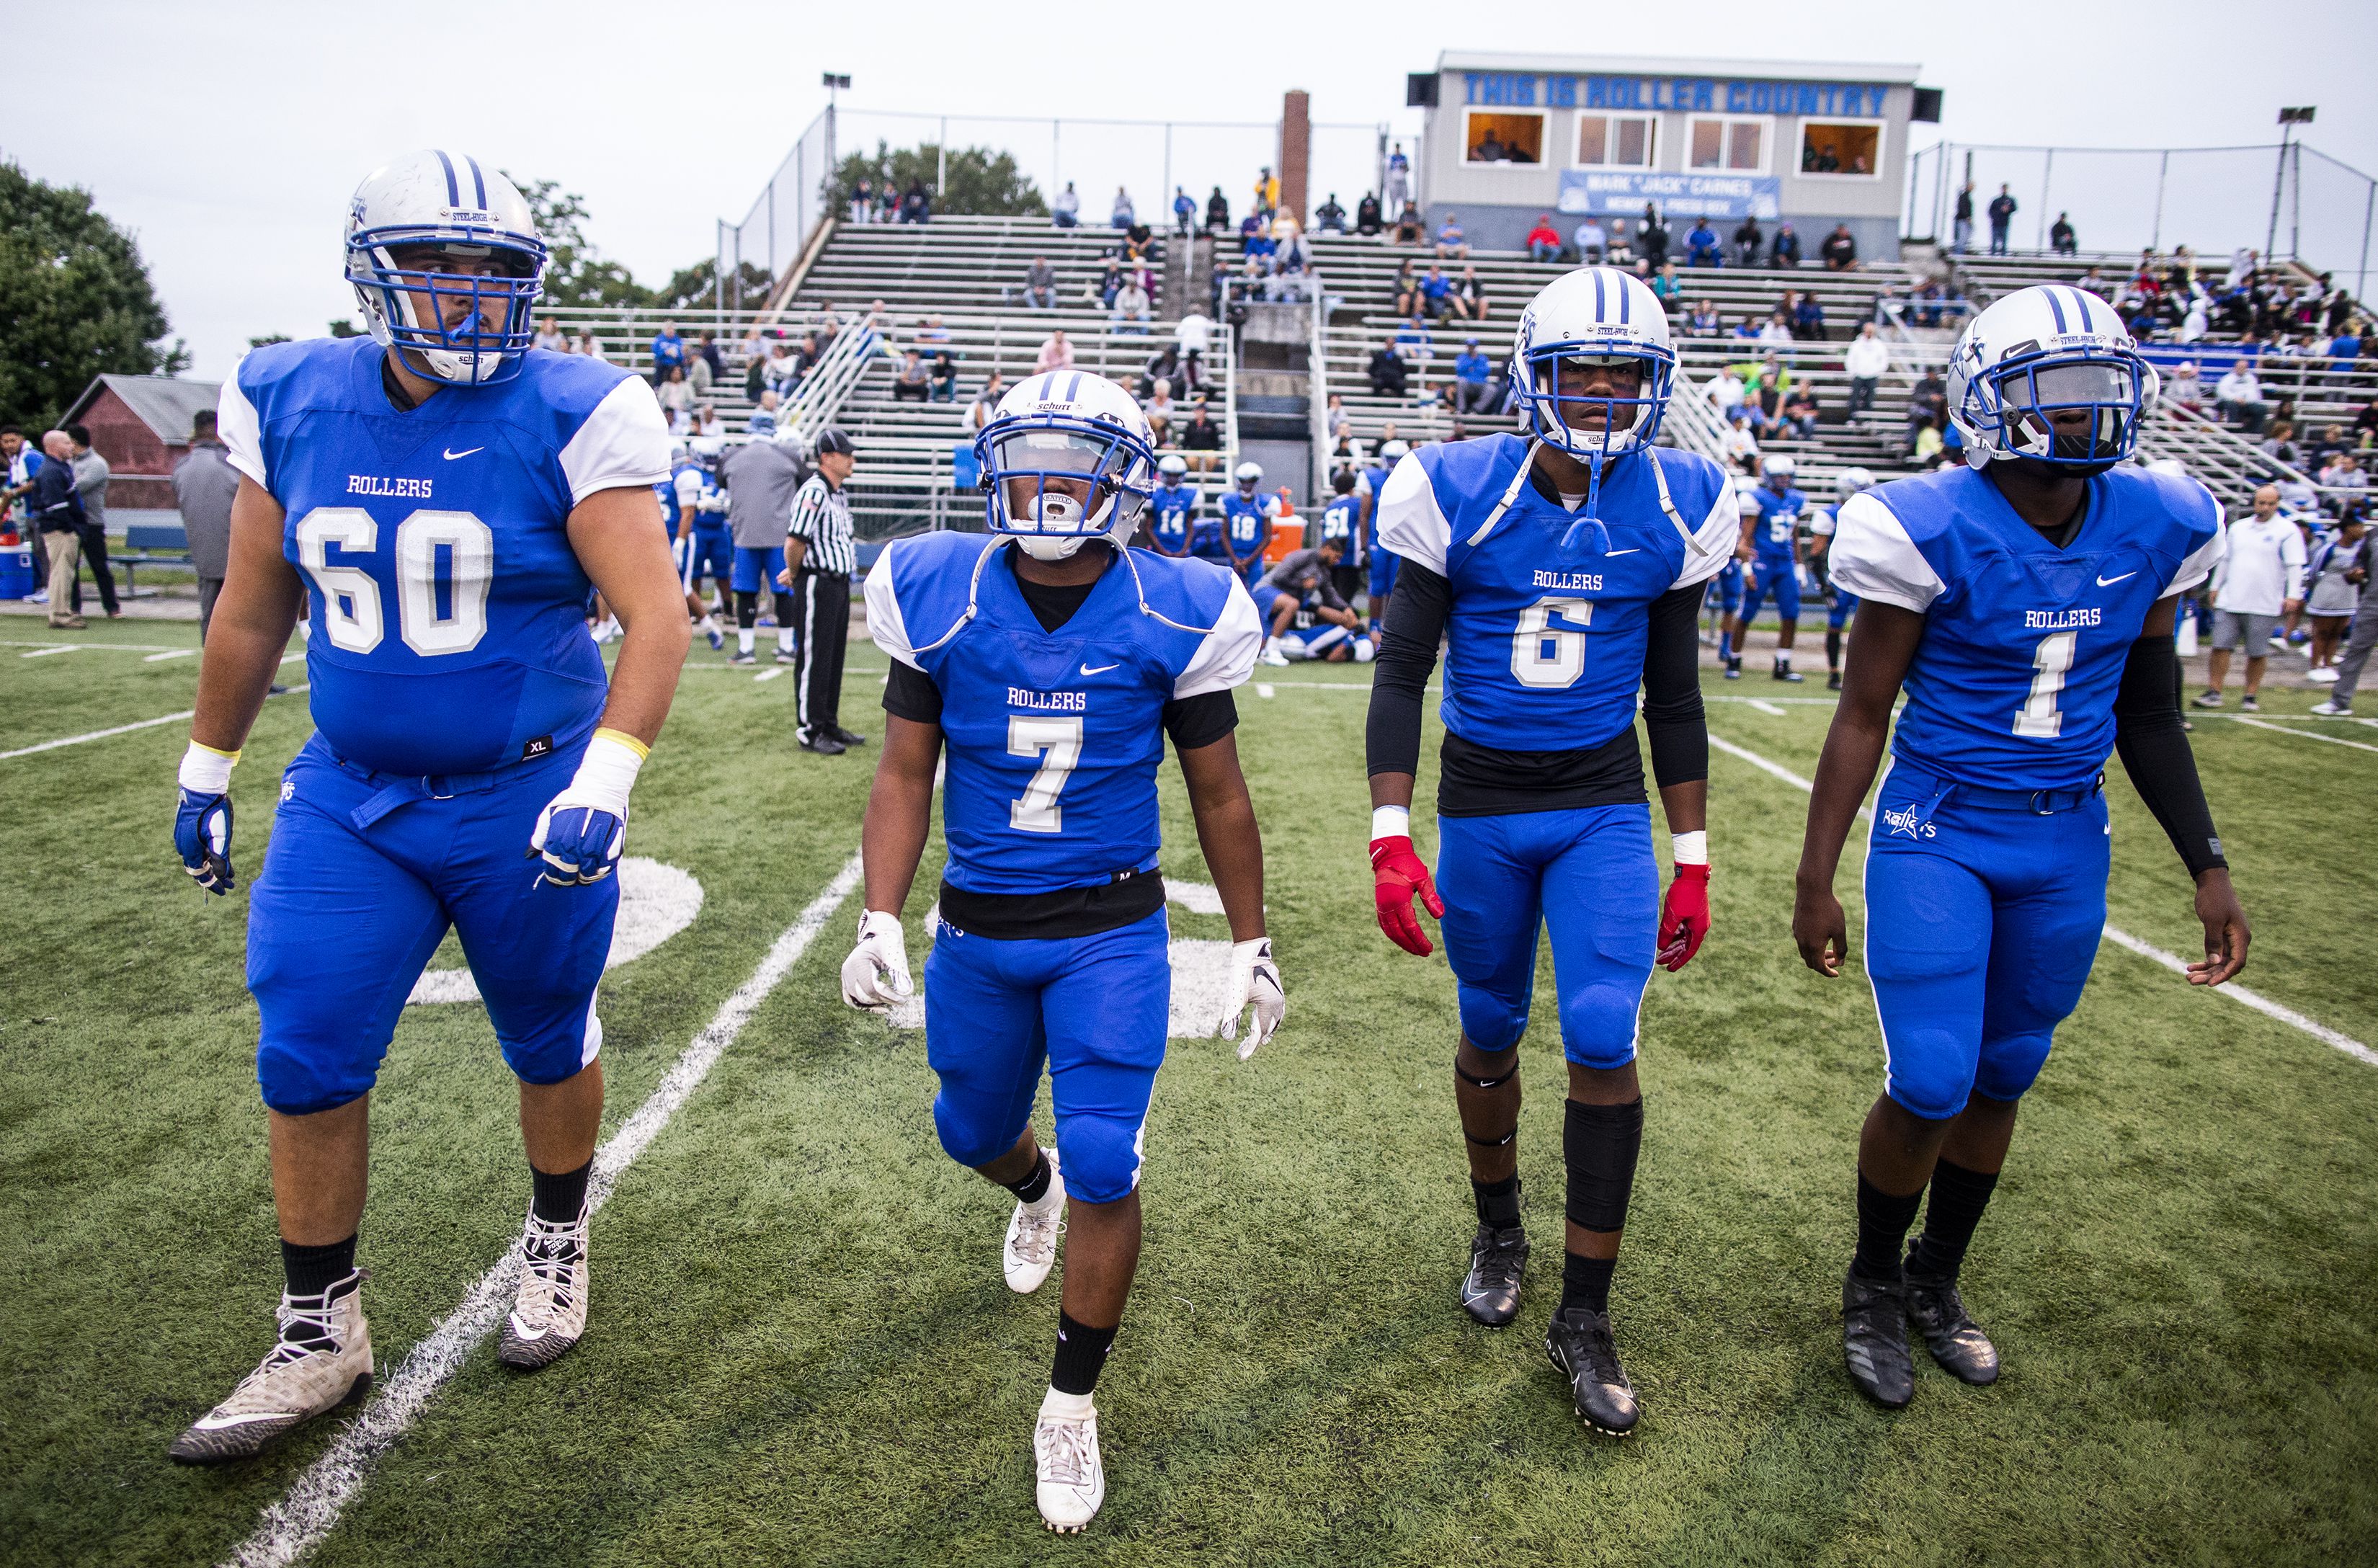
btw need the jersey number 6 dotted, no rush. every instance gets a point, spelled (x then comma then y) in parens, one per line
(1058, 743)
(433, 617)
(1546, 655)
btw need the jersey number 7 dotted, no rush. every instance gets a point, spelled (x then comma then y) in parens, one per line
(1058, 742)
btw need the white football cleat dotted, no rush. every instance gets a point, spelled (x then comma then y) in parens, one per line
(1071, 1482)
(550, 1313)
(1031, 1251)
(295, 1381)
(1271, 653)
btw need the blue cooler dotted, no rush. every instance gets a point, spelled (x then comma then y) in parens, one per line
(16, 572)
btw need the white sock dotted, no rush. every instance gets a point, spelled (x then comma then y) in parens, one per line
(743, 639)
(709, 622)
(1067, 1406)
(784, 639)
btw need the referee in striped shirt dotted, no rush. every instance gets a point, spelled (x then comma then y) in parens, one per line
(819, 561)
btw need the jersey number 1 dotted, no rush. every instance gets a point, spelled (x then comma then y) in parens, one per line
(1546, 655)
(1058, 743)
(351, 607)
(2052, 660)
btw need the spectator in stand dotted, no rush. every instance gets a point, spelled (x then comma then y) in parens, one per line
(1056, 354)
(1161, 403)
(1413, 342)
(2186, 389)
(1866, 359)
(2001, 213)
(1543, 240)
(2259, 579)
(1724, 391)
(2197, 321)
(1470, 296)
(1201, 440)
(1450, 239)
(985, 407)
(916, 205)
(1329, 217)
(1399, 185)
(1808, 320)
(1703, 322)
(1765, 389)
(1405, 293)
(550, 338)
(1666, 285)
(91, 473)
(1471, 371)
(2239, 396)
(675, 395)
(1592, 243)
(204, 484)
(1267, 194)
(1747, 238)
(2333, 577)
(1066, 210)
(1840, 249)
(1040, 286)
(55, 505)
(862, 201)
(1652, 239)
(762, 421)
(1776, 328)
(1621, 252)
(1390, 375)
(1218, 213)
(1409, 228)
(1367, 218)
(2343, 472)
(1701, 246)
(1927, 405)
(1800, 413)
(1184, 212)
(1741, 444)
(2365, 423)
(945, 378)
(1437, 293)
(668, 353)
(1163, 367)
(588, 348)
(1961, 234)
(1193, 333)
(1122, 217)
(2061, 237)
(1131, 309)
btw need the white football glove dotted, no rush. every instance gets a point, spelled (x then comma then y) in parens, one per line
(875, 976)
(580, 831)
(1255, 982)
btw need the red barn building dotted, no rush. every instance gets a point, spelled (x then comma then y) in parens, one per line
(141, 425)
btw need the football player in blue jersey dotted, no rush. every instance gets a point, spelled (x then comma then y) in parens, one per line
(2025, 604)
(1384, 562)
(704, 545)
(1052, 661)
(1341, 520)
(1770, 552)
(436, 498)
(1565, 570)
(1725, 589)
(1172, 509)
(1840, 603)
(1248, 513)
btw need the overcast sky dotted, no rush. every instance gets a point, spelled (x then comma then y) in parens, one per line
(228, 136)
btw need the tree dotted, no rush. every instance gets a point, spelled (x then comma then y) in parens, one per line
(75, 301)
(576, 272)
(696, 287)
(981, 181)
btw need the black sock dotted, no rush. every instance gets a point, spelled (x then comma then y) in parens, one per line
(1034, 1185)
(1882, 1230)
(310, 1271)
(1081, 1355)
(1585, 1282)
(560, 1200)
(1832, 650)
(1959, 1196)
(1499, 1201)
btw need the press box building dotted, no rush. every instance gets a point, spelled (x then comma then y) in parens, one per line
(1510, 136)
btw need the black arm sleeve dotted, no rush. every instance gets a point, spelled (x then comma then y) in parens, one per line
(1673, 717)
(2155, 753)
(910, 694)
(1416, 614)
(1193, 722)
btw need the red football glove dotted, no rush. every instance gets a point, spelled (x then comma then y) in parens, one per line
(1684, 918)
(1399, 874)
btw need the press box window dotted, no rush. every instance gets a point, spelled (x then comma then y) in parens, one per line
(1504, 137)
(1837, 147)
(1736, 145)
(1615, 141)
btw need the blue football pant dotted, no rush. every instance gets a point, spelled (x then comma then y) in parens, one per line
(1776, 577)
(1844, 607)
(1383, 576)
(1589, 878)
(1093, 1008)
(1727, 586)
(1981, 928)
(709, 552)
(346, 913)
(755, 569)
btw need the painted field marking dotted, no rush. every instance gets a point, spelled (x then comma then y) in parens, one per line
(768, 674)
(118, 729)
(2266, 725)
(1762, 705)
(54, 652)
(2122, 939)
(310, 1509)
(168, 653)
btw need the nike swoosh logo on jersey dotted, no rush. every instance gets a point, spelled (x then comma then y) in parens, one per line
(2109, 582)
(1633, 550)
(451, 454)
(1100, 671)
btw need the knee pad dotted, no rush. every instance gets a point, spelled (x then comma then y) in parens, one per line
(1494, 1024)
(1099, 1156)
(1928, 1076)
(2009, 1067)
(969, 1139)
(1598, 1026)
(556, 1054)
(1601, 1144)
(747, 608)
(300, 1082)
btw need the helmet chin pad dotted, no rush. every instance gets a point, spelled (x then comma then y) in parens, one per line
(1051, 547)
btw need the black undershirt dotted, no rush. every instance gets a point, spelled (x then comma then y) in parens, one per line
(1127, 896)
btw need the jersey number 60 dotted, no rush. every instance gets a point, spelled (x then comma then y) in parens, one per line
(433, 617)
(1550, 656)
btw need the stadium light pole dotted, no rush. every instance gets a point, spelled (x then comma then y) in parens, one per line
(2288, 119)
(833, 82)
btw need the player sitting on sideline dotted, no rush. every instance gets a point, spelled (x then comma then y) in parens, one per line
(1769, 551)
(447, 494)
(1565, 571)
(1304, 615)
(1840, 603)
(1053, 671)
(2026, 602)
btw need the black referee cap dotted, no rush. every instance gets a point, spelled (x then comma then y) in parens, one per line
(833, 440)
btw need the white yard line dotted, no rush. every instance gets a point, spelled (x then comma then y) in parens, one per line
(95, 647)
(1762, 705)
(2122, 939)
(1263, 689)
(2282, 729)
(53, 651)
(119, 729)
(310, 1509)
(168, 653)
(768, 674)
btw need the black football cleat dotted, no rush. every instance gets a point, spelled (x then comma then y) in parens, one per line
(1874, 1340)
(848, 737)
(823, 745)
(1490, 1291)
(1956, 1340)
(1833, 681)
(1579, 1342)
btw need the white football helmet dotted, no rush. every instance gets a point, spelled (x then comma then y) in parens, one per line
(1057, 434)
(1246, 476)
(1778, 466)
(1394, 452)
(2046, 351)
(1593, 315)
(1851, 482)
(1174, 469)
(438, 208)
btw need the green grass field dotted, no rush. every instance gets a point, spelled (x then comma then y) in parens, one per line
(802, 1352)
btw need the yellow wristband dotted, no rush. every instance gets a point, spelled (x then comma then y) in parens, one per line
(624, 738)
(215, 750)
